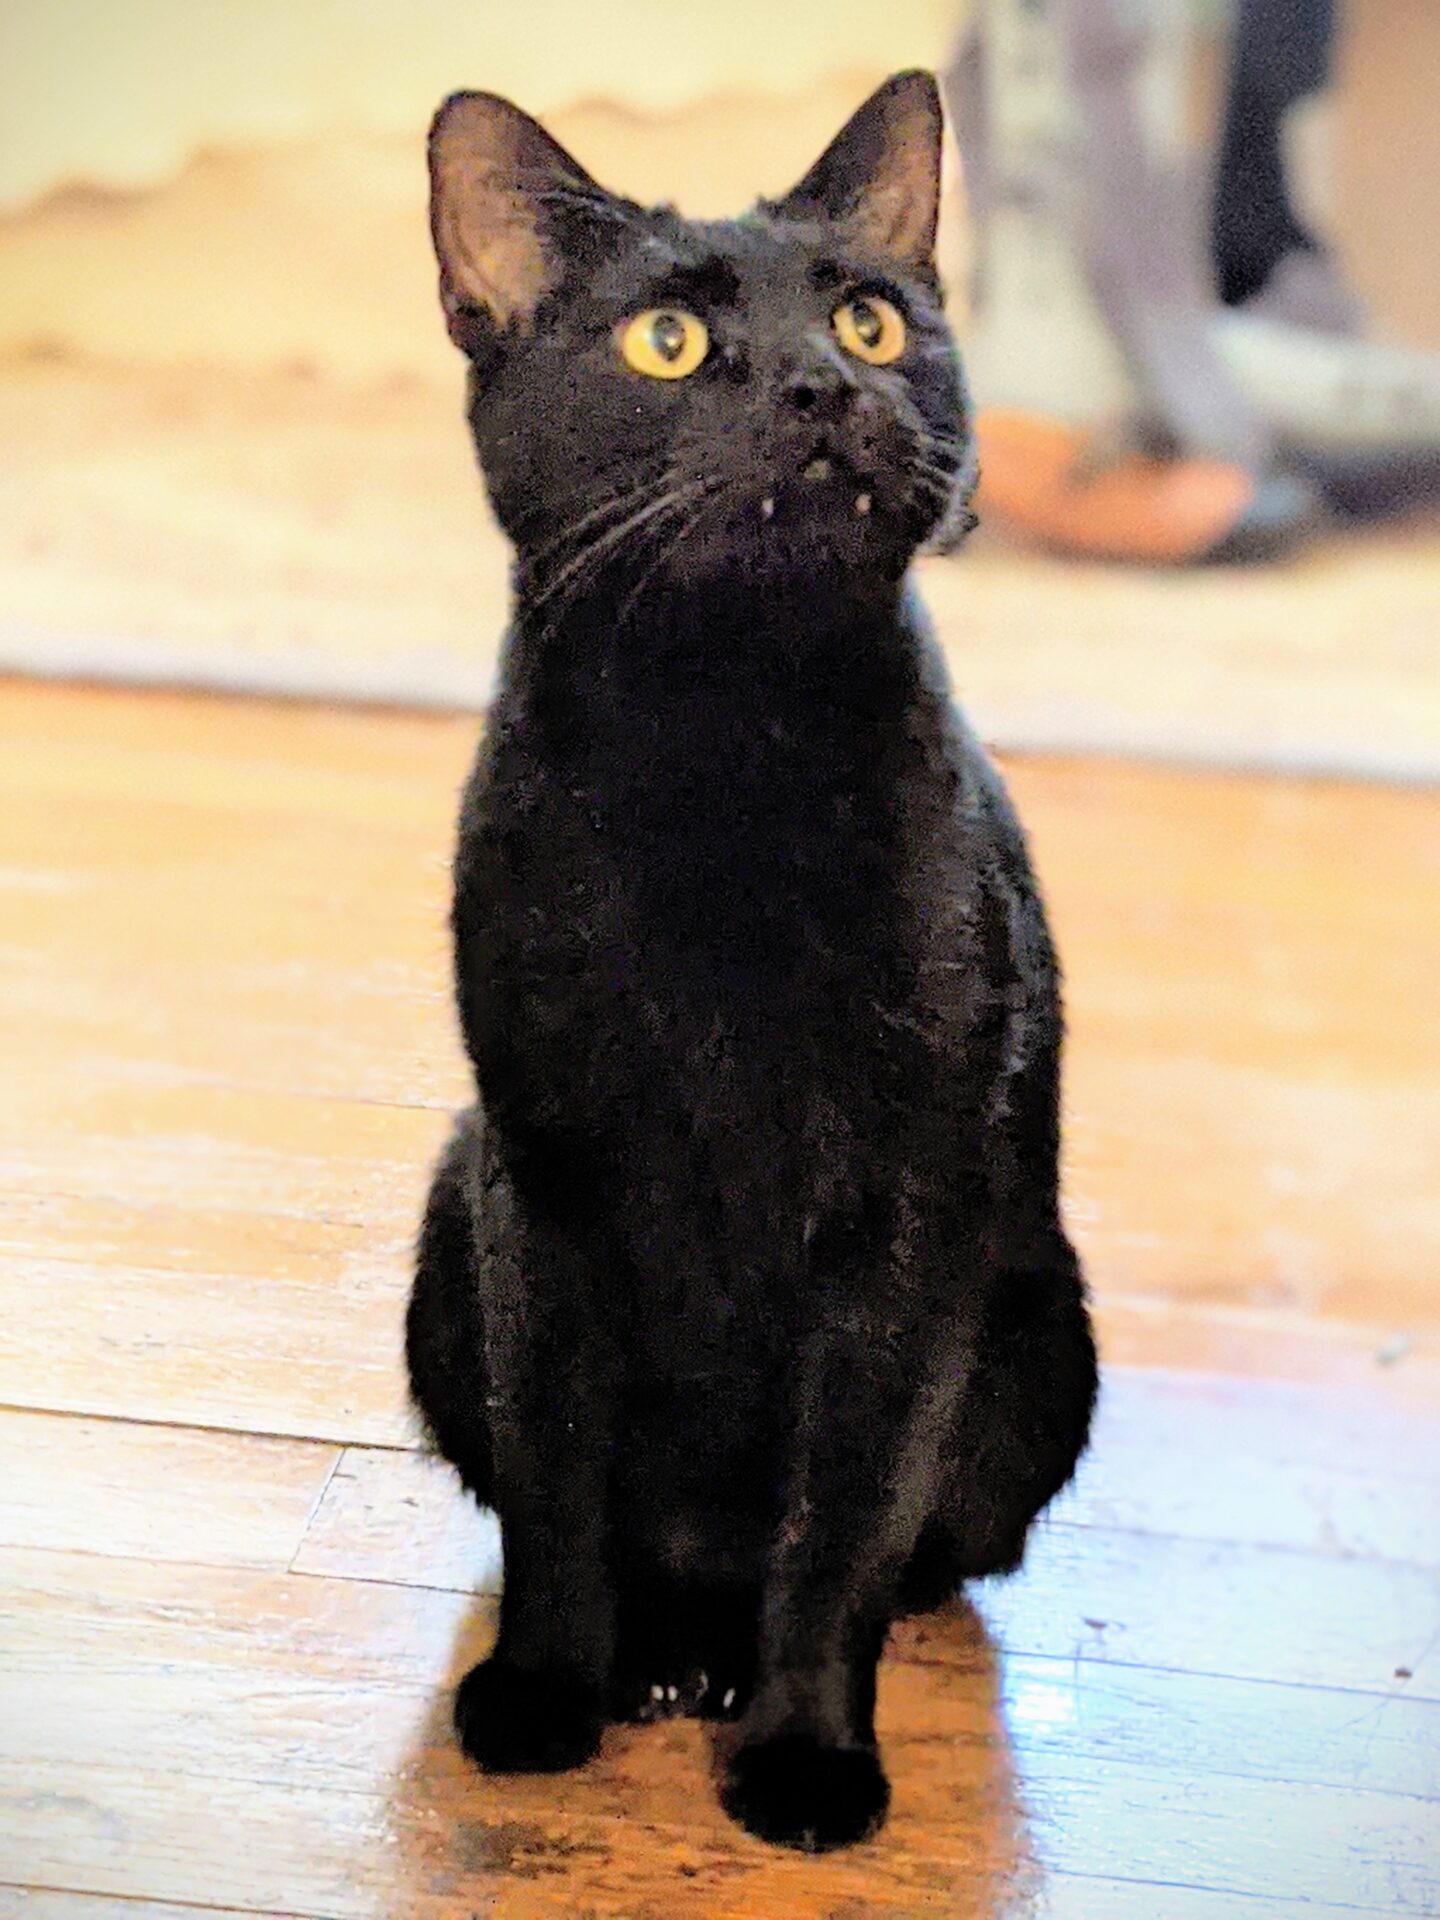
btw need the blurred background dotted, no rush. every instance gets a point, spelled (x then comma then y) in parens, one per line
(231, 414)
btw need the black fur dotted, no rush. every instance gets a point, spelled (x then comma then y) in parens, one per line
(743, 1295)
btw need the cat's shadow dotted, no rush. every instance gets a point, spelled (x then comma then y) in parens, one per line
(640, 1832)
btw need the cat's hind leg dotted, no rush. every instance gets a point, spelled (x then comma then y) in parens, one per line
(515, 1364)
(444, 1328)
(542, 1711)
(1019, 1430)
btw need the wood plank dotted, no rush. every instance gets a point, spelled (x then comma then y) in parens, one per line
(318, 1356)
(156, 1493)
(1088, 1593)
(474, 1843)
(1198, 1723)
(1205, 1607)
(1221, 1070)
(38, 1903)
(1254, 1344)
(471, 1847)
(123, 1324)
(356, 1637)
(201, 1146)
(1219, 1003)
(214, 1665)
(403, 1517)
(1292, 1845)
(165, 1710)
(1260, 1462)
(1081, 1897)
(1263, 1464)
(335, 857)
(255, 1264)
(1334, 1425)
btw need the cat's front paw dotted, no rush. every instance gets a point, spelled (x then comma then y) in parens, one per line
(513, 1721)
(797, 1793)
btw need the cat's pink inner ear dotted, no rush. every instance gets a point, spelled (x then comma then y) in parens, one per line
(491, 170)
(879, 178)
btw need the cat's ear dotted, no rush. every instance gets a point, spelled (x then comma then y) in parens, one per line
(495, 179)
(879, 178)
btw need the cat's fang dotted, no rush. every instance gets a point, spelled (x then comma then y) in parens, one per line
(862, 503)
(767, 506)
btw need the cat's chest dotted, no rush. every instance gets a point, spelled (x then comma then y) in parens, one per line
(732, 986)
(748, 880)
(734, 939)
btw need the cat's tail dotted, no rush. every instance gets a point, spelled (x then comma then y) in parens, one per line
(445, 1328)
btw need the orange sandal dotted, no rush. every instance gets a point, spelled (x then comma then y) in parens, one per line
(1057, 484)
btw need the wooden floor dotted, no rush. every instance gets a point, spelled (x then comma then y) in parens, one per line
(233, 1594)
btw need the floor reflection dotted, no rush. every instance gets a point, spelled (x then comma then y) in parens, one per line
(639, 1833)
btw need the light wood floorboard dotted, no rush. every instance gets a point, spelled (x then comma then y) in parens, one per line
(233, 1593)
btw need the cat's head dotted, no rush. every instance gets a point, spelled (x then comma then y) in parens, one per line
(778, 392)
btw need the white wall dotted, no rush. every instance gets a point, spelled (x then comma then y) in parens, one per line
(121, 90)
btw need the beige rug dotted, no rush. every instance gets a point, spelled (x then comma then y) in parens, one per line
(234, 457)
(302, 536)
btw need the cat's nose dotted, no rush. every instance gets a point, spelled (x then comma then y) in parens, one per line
(819, 390)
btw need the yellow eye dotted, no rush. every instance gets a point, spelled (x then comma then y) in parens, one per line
(664, 342)
(870, 328)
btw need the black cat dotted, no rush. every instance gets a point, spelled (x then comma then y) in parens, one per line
(743, 1296)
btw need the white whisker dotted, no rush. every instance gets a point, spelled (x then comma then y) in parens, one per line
(584, 565)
